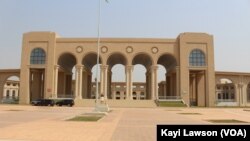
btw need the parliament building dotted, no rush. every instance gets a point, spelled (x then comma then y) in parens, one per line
(56, 67)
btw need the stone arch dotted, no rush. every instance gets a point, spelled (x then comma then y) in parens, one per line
(89, 60)
(117, 58)
(144, 59)
(167, 60)
(67, 60)
(112, 60)
(231, 78)
(225, 90)
(12, 84)
(168, 88)
(147, 61)
(4, 76)
(11, 75)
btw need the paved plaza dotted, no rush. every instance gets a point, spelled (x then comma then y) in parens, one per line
(28, 123)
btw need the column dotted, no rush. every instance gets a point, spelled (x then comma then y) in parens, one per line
(78, 81)
(237, 94)
(104, 76)
(4, 93)
(85, 83)
(138, 93)
(164, 90)
(147, 86)
(89, 84)
(154, 83)
(192, 90)
(168, 84)
(244, 94)
(240, 87)
(177, 69)
(201, 90)
(109, 81)
(129, 83)
(166, 87)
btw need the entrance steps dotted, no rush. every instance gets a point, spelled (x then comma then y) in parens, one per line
(117, 103)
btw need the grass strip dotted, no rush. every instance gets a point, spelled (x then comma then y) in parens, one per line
(226, 121)
(85, 118)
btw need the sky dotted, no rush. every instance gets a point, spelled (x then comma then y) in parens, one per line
(227, 20)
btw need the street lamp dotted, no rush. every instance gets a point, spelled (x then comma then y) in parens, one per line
(97, 103)
(98, 52)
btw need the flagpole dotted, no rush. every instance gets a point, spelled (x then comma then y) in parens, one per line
(98, 52)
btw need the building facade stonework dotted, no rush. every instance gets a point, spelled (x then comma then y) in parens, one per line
(51, 64)
(11, 89)
(48, 60)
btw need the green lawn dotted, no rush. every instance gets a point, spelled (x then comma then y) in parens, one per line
(85, 118)
(170, 104)
(226, 121)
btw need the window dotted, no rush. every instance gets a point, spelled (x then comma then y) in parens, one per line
(13, 94)
(8, 94)
(227, 96)
(219, 96)
(197, 58)
(37, 56)
(232, 95)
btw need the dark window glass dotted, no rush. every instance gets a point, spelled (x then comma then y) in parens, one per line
(232, 95)
(197, 58)
(7, 94)
(219, 96)
(37, 56)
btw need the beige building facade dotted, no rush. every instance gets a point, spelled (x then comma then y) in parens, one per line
(118, 91)
(50, 64)
(11, 90)
(48, 61)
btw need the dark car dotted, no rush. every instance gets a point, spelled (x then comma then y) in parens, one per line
(67, 102)
(43, 102)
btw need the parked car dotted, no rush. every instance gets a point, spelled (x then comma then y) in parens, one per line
(43, 102)
(67, 102)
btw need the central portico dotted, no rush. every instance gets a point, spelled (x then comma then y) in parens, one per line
(48, 62)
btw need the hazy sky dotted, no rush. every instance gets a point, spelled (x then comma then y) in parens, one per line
(227, 20)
